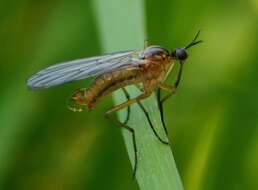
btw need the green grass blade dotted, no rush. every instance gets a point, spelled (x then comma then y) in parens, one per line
(121, 26)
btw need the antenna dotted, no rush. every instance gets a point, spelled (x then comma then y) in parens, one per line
(194, 42)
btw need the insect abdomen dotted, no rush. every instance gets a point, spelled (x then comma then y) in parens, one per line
(104, 85)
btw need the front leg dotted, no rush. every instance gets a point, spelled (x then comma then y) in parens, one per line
(171, 89)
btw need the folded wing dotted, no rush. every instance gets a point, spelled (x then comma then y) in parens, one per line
(82, 69)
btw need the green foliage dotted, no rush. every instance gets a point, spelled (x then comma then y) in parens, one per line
(212, 120)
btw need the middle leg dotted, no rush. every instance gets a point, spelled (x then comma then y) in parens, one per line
(127, 95)
(146, 115)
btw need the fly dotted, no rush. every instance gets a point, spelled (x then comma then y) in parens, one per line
(147, 69)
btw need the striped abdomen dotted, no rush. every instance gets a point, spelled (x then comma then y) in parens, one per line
(104, 85)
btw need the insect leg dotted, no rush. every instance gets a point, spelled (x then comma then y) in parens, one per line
(131, 130)
(122, 125)
(171, 89)
(179, 74)
(137, 100)
(139, 87)
(127, 95)
(127, 103)
(160, 105)
(150, 123)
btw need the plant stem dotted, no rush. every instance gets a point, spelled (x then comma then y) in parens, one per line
(121, 25)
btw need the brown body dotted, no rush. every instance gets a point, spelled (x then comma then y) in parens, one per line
(151, 72)
(149, 68)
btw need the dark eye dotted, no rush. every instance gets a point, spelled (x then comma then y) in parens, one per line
(181, 53)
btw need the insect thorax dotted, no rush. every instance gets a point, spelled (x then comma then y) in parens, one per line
(157, 62)
(153, 51)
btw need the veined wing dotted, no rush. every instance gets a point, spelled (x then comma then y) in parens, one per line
(81, 69)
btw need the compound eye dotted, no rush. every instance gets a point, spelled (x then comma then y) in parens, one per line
(181, 53)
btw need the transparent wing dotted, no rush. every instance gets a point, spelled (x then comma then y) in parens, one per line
(81, 69)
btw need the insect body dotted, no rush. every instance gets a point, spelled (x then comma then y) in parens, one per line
(150, 70)
(146, 68)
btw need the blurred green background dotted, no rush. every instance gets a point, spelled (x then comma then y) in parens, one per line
(212, 120)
